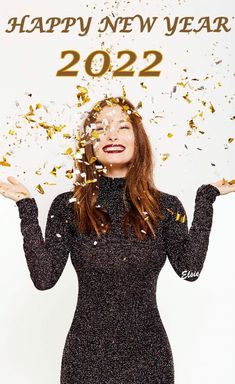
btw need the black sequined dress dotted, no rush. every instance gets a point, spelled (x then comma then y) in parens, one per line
(117, 335)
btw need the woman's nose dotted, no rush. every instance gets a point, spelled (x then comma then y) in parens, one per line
(112, 132)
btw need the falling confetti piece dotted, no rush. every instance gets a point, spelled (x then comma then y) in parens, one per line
(68, 151)
(211, 108)
(143, 85)
(67, 136)
(40, 189)
(123, 92)
(187, 98)
(165, 156)
(5, 163)
(69, 174)
(192, 124)
(54, 171)
(181, 84)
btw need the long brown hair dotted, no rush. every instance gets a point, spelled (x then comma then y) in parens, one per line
(139, 186)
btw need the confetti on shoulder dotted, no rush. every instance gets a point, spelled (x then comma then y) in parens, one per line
(178, 216)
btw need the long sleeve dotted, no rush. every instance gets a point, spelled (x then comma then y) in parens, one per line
(46, 259)
(186, 250)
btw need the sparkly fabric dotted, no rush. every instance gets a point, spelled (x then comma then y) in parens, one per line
(116, 336)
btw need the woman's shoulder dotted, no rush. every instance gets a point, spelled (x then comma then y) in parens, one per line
(64, 196)
(62, 202)
(167, 198)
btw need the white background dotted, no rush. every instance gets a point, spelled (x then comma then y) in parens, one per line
(199, 317)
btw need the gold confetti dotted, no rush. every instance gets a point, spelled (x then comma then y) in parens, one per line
(29, 114)
(125, 107)
(170, 135)
(51, 129)
(187, 98)
(4, 162)
(68, 151)
(90, 181)
(40, 189)
(67, 136)
(54, 171)
(69, 174)
(181, 84)
(178, 216)
(97, 107)
(95, 134)
(192, 124)
(200, 114)
(92, 159)
(38, 106)
(123, 92)
(231, 182)
(230, 140)
(82, 95)
(211, 108)
(165, 156)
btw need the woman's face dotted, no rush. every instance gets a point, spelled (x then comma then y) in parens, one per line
(115, 146)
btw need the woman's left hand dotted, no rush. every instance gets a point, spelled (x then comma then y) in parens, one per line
(224, 186)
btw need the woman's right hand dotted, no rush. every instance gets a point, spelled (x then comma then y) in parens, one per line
(14, 190)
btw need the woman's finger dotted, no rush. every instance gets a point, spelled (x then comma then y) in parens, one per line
(12, 180)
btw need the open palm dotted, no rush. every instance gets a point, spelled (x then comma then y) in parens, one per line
(225, 186)
(13, 190)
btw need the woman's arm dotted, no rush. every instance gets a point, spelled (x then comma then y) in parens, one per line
(46, 259)
(185, 249)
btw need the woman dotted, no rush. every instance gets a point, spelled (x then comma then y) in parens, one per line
(119, 229)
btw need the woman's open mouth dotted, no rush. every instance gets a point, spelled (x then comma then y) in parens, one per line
(113, 148)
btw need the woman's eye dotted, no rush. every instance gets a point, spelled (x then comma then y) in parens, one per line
(125, 127)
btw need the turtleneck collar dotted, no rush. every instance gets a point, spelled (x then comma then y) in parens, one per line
(112, 183)
(111, 194)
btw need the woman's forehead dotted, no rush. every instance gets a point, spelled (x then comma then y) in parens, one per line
(112, 113)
